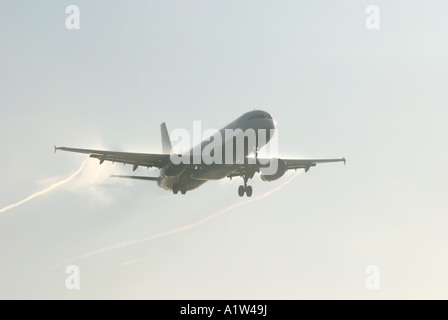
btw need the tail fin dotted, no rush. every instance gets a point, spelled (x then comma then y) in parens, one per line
(166, 142)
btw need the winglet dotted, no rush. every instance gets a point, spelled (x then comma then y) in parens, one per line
(55, 149)
(344, 161)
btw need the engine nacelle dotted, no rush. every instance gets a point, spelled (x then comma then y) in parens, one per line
(172, 170)
(281, 169)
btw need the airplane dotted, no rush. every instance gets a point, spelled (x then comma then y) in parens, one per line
(183, 177)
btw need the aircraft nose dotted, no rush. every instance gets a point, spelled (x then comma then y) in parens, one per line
(269, 125)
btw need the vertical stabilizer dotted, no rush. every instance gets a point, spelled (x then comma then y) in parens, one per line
(166, 142)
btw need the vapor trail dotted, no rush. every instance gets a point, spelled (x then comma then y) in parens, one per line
(42, 192)
(180, 229)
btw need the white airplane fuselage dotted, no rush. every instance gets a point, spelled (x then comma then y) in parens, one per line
(194, 176)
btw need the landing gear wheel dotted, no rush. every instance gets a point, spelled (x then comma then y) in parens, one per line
(241, 191)
(247, 174)
(249, 191)
(175, 188)
(183, 190)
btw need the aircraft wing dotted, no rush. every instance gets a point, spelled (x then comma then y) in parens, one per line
(135, 159)
(307, 163)
(291, 164)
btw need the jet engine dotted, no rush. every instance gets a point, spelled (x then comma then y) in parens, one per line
(281, 169)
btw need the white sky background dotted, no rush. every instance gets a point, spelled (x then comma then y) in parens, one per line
(335, 88)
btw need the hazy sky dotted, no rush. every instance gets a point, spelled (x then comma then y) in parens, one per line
(335, 88)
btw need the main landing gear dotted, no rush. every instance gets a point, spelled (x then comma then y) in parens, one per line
(181, 188)
(245, 188)
(248, 173)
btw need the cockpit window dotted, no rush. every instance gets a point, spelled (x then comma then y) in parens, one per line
(259, 116)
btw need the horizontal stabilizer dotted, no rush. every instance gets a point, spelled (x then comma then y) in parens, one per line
(137, 177)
